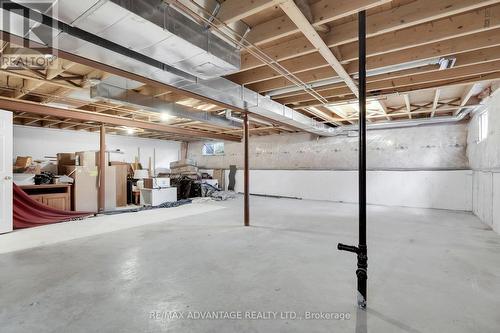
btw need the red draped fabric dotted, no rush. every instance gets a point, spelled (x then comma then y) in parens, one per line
(31, 213)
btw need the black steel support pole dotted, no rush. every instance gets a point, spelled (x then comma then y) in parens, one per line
(361, 249)
(246, 214)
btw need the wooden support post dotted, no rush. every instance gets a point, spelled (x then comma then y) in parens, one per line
(246, 173)
(102, 170)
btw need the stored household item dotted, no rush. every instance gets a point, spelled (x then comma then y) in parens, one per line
(232, 177)
(56, 196)
(65, 159)
(140, 175)
(155, 197)
(24, 179)
(23, 161)
(212, 182)
(182, 163)
(157, 182)
(43, 178)
(85, 187)
(86, 158)
(121, 171)
(28, 212)
(219, 174)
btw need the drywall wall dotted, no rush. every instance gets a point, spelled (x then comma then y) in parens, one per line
(42, 142)
(425, 189)
(484, 159)
(424, 147)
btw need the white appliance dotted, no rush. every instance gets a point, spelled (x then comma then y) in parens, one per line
(158, 196)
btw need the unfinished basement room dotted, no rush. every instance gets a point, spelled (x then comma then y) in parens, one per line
(223, 166)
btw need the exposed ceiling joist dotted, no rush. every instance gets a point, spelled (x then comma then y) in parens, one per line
(35, 108)
(312, 67)
(408, 104)
(323, 11)
(435, 102)
(296, 15)
(235, 10)
(411, 88)
(415, 13)
(394, 83)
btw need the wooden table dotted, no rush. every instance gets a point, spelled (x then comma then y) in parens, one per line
(57, 196)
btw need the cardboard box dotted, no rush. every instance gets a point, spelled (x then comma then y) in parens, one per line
(23, 161)
(86, 158)
(182, 163)
(66, 159)
(185, 169)
(84, 187)
(97, 158)
(219, 174)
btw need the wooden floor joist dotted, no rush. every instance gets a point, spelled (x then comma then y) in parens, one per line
(415, 13)
(298, 18)
(35, 108)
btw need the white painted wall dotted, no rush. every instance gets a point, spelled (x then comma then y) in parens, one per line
(424, 147)
(423, 189)
(304, 166)
(41, 142)
(484, 158)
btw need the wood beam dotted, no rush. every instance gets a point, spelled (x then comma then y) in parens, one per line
(102, 170)
(296, 15)
(394, 83)
(409, 88)
(235, 10)
(35, 108)
(313, 67)
(408, 104)
(321, 113)
(402, 17)
(323, 11)
(403, 113)
(384, 108)
(467, 94)
(435, 102)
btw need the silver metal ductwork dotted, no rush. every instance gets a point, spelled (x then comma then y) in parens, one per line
(344, 130)
(113, 33)
(119, 90)
(152, 28)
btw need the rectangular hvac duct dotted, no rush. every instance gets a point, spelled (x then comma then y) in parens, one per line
(122, 54)
(158, 31)
(116, 89)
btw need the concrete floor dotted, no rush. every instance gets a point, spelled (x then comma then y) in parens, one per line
(429, 271)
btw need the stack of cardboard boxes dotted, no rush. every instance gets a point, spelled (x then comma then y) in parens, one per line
(83, 168)
(185, 167)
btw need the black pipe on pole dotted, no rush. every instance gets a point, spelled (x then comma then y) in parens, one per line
(246, 189)
(361, 250)
(362, 254)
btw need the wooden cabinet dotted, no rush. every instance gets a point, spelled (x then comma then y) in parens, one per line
(57, 196)
(57, 201)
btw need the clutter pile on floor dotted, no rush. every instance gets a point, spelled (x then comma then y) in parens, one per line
(28, 213)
